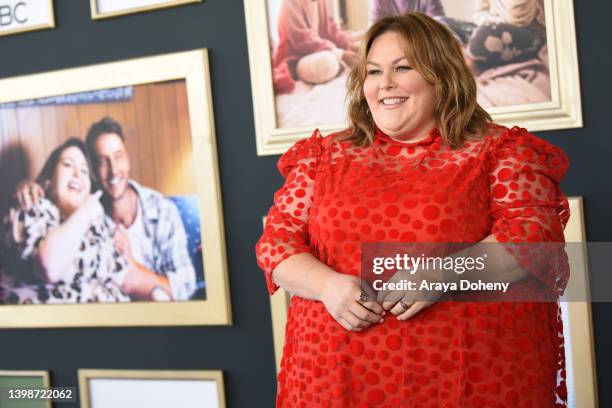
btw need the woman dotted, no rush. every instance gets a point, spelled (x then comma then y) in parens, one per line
(311, 47)
(62, 248)
(421, 162)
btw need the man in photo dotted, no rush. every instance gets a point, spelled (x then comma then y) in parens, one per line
(148, 229)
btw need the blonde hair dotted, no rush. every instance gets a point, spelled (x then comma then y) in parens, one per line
(435, 53)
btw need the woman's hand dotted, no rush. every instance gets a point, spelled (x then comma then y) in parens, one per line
(343, 300)
(92, 207)
(28, 193)
(406, 303)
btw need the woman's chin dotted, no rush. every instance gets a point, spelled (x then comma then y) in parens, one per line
(67, 208)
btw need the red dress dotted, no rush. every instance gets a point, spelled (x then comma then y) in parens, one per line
(452, 354)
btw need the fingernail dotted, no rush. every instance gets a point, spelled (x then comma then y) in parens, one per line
(384, 312)
(381, 320)
(400, 318)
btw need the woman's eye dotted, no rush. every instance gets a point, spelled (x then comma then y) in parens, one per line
(403, 68)
(373, 71)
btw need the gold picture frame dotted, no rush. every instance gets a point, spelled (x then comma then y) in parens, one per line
(154, 5)
(562, 111)
(50, 23)
(577, 319)
(42, 377)
(86, 376)
(190, 67)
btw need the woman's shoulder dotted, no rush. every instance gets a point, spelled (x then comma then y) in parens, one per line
(499, 136)
(310, 149)
(518, 145)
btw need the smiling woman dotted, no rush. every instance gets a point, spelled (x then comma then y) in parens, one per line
(418, 148)
(62, 246)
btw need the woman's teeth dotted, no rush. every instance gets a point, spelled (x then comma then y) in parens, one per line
(393, 101)
(75, 185)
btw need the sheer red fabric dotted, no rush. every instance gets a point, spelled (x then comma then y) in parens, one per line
(453, 354)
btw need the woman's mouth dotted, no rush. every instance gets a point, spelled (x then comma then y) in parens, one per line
(75, 185)
(392, 101)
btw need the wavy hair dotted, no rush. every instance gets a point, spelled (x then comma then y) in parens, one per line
(436, 54)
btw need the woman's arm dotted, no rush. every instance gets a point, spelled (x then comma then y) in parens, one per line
(62, 244)
(284, 252)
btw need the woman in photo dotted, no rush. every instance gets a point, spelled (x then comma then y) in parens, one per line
(312, 48)
(421, 162)
(61, 250)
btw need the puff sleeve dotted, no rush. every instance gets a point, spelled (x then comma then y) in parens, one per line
(286, 232)
(527, 205)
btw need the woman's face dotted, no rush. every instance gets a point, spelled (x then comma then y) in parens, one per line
(71, 183)
(402, 102)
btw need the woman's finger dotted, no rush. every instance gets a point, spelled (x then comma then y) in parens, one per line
(414, 309)
(37, 192)
(355, 321)
(391, 298)
(400, 307)
(365, 314)
(27, 200)
(373, 306)
(20, 200)
(347, 325)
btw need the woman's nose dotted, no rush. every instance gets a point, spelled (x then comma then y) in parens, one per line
(386, 80)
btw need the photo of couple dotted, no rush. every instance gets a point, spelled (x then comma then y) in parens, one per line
(84, 228)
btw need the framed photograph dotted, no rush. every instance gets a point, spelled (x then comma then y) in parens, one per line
(18, 16)
(151, 389)
(155, 262)
(577, 319)
(113, 8)
(14, 379)
(526, 66)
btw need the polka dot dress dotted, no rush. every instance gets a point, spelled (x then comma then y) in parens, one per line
(453, 354)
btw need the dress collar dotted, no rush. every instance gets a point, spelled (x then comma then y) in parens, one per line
(433, 136)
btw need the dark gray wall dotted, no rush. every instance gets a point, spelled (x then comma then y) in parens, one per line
(244, 351)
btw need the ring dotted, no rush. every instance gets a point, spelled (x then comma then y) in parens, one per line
(404, 305)
(363, 297)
